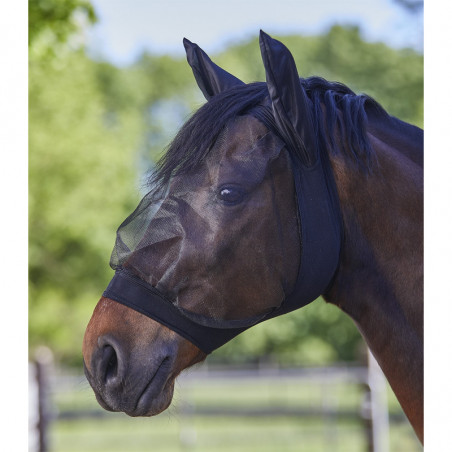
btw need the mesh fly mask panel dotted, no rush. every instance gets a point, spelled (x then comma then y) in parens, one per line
(179, 241)
(182, 239)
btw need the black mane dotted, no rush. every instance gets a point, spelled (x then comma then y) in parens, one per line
(335, 108)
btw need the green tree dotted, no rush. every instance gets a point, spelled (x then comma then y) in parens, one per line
(52, 23)
(89, 124)
(81, 173)
(76, 160)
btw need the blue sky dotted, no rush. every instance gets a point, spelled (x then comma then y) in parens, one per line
(125, 28)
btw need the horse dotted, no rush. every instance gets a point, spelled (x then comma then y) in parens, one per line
(270, 195)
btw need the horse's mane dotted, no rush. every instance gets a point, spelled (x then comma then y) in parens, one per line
(339, 119)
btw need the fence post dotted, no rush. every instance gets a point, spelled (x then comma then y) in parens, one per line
(378, 405)
(40, 418)
(366, 416)
(33, 411)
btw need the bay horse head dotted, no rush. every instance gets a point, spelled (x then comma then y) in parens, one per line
(247, 218)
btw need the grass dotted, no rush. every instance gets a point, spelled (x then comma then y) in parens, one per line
(205, 434)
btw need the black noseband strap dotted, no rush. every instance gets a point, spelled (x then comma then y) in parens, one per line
(142, 297)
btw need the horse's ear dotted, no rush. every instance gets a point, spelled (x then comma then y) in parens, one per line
(211, 79)
(292, 108)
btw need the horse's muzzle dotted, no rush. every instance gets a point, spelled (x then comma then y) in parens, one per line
(131, 361)
(136, 388)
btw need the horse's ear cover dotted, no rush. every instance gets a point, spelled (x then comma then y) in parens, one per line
(292, 109)
(288, 114)
(211, 79)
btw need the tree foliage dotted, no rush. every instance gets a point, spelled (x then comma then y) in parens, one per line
(393, 77)
(56, 16)
(51, 24)
(94, 130)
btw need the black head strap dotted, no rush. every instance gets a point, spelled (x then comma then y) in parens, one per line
(318, 204)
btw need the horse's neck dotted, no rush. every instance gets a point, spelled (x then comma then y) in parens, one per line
(379, 282)
(408, 139)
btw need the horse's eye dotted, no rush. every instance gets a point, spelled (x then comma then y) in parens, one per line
(231, 195)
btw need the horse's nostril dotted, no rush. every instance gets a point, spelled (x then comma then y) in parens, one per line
(110, 363)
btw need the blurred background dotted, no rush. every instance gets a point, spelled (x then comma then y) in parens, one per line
(109, 87)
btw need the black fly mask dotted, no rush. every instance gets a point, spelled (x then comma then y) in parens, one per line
(151, 288)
